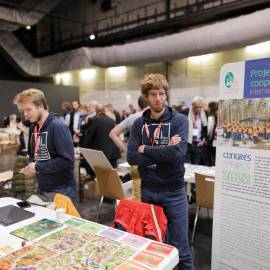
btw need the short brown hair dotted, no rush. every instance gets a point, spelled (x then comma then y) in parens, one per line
(35, 96)
(154, 81)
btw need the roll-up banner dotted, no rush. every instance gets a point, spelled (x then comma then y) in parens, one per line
(241, 223)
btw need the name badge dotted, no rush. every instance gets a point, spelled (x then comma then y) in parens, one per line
(195, 132)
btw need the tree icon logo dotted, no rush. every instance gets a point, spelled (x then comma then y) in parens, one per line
(229, 79)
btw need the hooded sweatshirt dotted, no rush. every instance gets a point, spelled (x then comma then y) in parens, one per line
(54, 153)
(161, 166)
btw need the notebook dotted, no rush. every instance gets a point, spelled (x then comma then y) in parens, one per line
(11, 214)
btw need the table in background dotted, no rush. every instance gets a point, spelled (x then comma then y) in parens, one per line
(191, 169)
(189, 172)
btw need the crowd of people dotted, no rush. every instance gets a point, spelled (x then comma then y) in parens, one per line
(237, 132)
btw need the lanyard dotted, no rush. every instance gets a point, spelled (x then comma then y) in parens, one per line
(156, 133)
(37, 137)
(195, 120)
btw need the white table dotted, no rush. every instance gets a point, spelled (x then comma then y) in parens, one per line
(168, 261)
(191, 169)
(189, 173)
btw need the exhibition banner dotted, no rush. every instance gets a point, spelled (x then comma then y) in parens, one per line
(241, 231)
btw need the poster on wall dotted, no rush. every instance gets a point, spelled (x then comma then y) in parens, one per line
(241, 226)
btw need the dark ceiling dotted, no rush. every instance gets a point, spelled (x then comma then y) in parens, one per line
(59, 30)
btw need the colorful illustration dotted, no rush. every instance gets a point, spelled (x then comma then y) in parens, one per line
(129, 265)
(75, 222)
(25, 258)
(37, 229)
(159, 248)
(148, 258)
(85, 225)
(4, 250)
(92, 227)
(134, 240)
(112, 233)
(69, 249)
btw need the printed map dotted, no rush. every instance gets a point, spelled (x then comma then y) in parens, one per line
(68, 249)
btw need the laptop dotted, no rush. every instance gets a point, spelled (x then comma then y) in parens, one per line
(11, 214)
(95, 158)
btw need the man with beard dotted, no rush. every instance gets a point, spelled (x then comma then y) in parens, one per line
(50, 146)
(158, 145)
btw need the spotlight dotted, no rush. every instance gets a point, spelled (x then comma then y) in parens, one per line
(28, 27)
(92, 36)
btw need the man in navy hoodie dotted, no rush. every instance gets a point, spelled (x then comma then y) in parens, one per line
(157, 145)
(50, 146)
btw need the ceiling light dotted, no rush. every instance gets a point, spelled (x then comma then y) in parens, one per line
(66, 77)
(92, 36)
(87, 74)
(262, 47)
(28, 27)
(201, 58)
(117, 70)
(57, 78)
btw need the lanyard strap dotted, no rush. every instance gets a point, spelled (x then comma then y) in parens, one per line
(156, 133)
(37, 137)
(195, 120)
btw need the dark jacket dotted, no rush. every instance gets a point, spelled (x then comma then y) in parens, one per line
(204, 128)
(97, 136)
(55, 159)
(161, 166)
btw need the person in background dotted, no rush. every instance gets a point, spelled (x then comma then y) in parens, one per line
(125, 115)
(212, 132)
(23, 126)
(50, 146)
(197, 135)
(126, 125)
(131, 109)
(112, 113)
(66, 108)
(13, 121)
(97, 136)
(72, 119)
(157, 145)
(91, 112)
(181, 106)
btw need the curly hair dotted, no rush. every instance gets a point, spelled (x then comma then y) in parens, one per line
(154, 81)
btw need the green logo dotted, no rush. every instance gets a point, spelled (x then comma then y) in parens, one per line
(229, 79)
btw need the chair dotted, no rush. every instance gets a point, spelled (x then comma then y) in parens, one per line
(109, 185)
(136, 182)
(63, 201)
(140, 218)
(204, 196)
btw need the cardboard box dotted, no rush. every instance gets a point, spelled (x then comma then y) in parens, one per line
(90, 189)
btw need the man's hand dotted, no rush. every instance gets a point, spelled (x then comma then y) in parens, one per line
(201, 143)
(141, 149)
(175, 140)
(29, 169)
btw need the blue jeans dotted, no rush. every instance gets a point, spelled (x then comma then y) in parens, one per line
(174, 204)
(67, 191)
